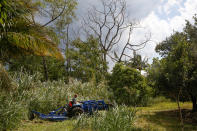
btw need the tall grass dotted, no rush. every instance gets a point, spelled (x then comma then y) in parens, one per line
(6, 82)
(11, 113)
(119, 118)
(32, 94)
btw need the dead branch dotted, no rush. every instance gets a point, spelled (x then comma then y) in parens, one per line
(107, 24)
(53, 19)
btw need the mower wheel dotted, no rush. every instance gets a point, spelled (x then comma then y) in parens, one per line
(31, 116)
(77, 111)
(110, 106)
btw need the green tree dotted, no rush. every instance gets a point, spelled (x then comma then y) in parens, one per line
(137, 62)
(178, 67)
(86, 60)
(166, 46)
(154, 75)
(129, 86)
(175, 68)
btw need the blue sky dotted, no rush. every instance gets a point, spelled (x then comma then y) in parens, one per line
(158, 17)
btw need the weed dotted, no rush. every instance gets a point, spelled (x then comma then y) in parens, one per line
(119, 118)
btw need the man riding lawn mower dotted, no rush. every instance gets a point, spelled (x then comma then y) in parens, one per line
(72, 109)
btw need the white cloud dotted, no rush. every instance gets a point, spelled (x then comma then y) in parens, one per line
(168, 6)
(189, 9)
(159, 29)
(162, 28)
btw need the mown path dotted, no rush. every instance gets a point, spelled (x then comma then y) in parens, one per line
(165, 117)
(159, 117)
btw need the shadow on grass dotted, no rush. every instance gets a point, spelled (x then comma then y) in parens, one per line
(170, 121)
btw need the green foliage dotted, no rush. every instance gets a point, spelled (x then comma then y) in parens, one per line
(19, 35)
(153, 76)
(32, 94)
(86, 60)
(34, 64)
(137, 62)
(166, 46)
(176, 71)
(119, 118)
(11, 10)
(163, 72)
(129, 86)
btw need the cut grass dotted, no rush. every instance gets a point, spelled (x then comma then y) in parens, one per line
(40, 125)
(163, 117)
(158, 117)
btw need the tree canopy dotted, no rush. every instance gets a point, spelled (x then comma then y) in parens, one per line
(19, 35)
(175, 73)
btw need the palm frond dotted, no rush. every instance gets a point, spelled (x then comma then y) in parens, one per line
(19, 36)
(38, 45)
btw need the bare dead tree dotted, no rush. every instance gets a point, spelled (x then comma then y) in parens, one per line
(132, 47)
(108, 25)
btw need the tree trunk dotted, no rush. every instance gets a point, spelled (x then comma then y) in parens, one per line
(45, 68)
(194, 107)
(105, 57)
(180, 111)
(67, 56)
(105, 62)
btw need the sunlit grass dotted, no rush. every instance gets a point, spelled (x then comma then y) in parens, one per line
(120, 118)
(162, 117)
(40, 125)
(164, 106)
(159, 117)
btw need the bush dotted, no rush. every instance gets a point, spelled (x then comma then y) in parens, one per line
(129, 86)
(118, 119)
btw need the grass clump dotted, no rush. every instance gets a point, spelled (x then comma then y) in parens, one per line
(11, 113)
(120, 118)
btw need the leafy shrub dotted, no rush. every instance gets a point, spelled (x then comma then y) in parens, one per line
(129, 86)
(118, 119)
